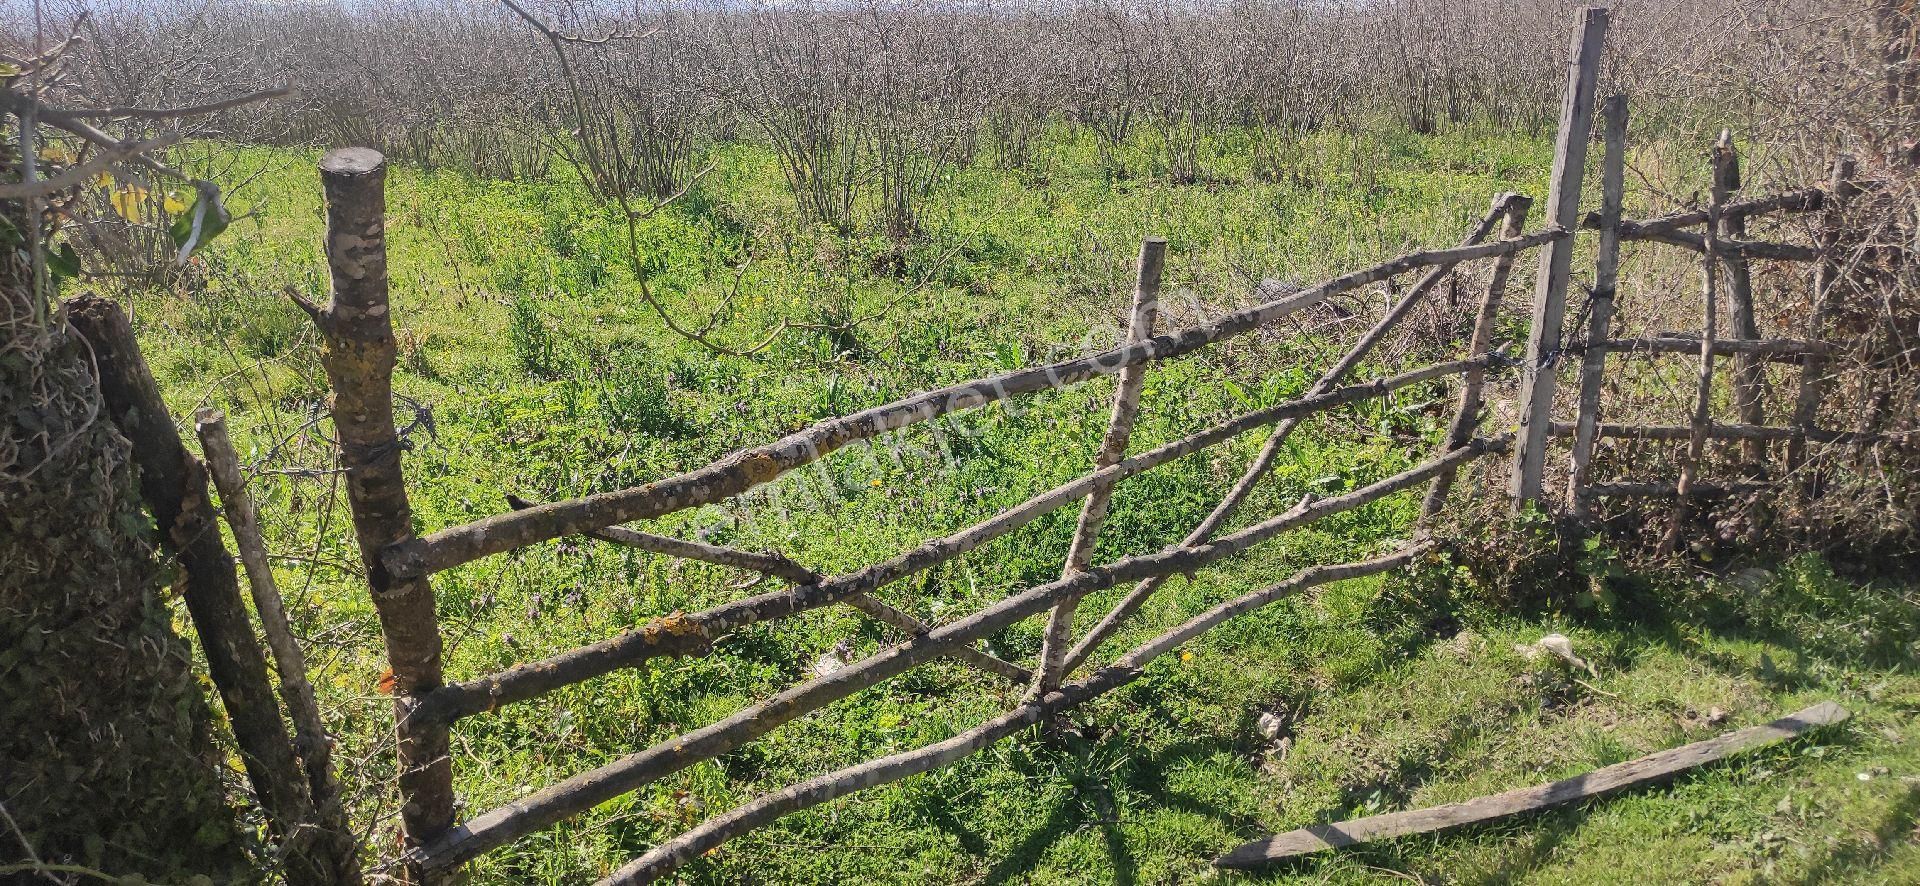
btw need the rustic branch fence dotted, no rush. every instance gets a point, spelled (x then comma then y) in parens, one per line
(360, 357)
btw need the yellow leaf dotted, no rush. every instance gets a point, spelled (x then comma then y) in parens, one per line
(56, 153)
(131, 203)
(173, 203)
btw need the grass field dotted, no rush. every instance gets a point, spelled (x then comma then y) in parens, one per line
(546, 375)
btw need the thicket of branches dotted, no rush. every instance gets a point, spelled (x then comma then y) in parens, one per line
(867, 103)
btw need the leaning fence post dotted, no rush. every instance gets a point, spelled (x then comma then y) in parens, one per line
(359, 360)
(1606, 268)
(1467, 416)
(174, 485)
(1113, 448)
(1556, 259)
(296, 693)
(1748, 373)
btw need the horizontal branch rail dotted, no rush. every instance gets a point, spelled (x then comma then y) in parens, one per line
(1779, 350)
(749, 468)
(1672, 490)
(543, 808)
(1727, 432)
(681, 634)
(1727, 248)
(1806, 200)
(672, 854)
(779, 566)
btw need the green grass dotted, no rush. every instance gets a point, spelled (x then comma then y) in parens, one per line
(547, 376)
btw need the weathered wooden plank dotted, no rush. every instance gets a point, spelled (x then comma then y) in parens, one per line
(1556, 261)
(1618, 777)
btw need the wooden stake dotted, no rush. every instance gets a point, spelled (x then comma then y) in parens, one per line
(309, 731)
(358, 328)
(1093, 511)
(1748, 374)
(1702, 421)
(1650, 769)
(1467, 415)
(1806, 401)
(1606, 264)
(1556, 261)
(174, 485)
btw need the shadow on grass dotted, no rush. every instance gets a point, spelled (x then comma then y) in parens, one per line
(1851, 860)
(1093, 803)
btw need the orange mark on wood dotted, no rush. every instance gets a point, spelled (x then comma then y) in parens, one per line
(759, 467)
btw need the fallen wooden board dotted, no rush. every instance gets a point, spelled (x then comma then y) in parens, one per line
(1620, 776)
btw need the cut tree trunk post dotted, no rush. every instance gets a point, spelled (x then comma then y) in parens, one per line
(358, 328)
(1606, 266)
(1813, 372)
(174, 485)
(1467, 416)
(1749, 373)
(310, 732)
(1702, 421)
(1650, 769)
(1542, 359)
(1113, 448)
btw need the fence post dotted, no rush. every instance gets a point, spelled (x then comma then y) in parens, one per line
(1702, 420)
(1806, 401)
(296, 693)
(1537, 383)
(1606, 268)
(1113, 448)
(1467, 416)
(174, 485)
(359, 360)
(1748, 373)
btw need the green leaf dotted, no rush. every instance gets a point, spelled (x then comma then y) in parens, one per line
(64, 264)
(204, 221)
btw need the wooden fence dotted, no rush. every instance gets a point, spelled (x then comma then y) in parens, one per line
(360, 357)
